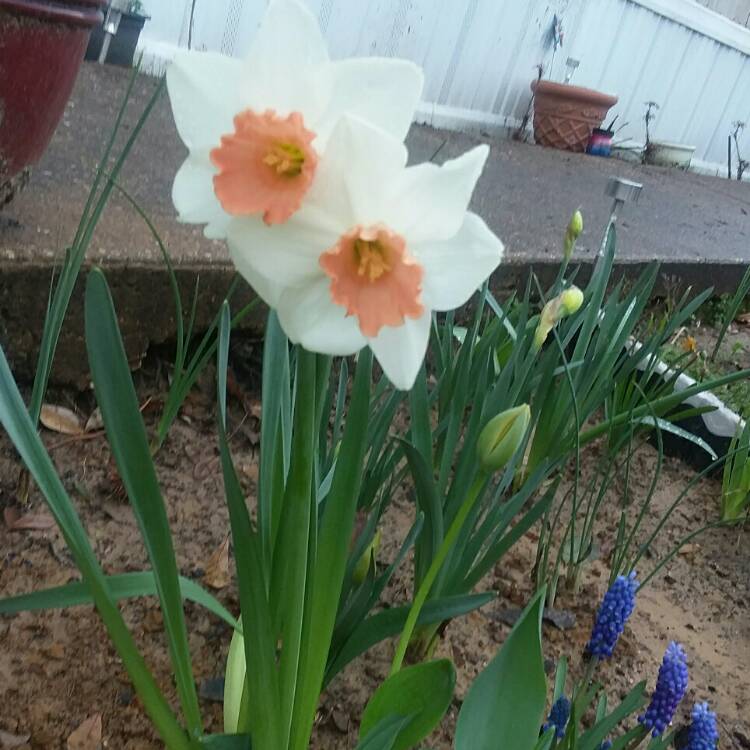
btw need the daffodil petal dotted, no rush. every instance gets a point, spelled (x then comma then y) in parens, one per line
(194, 198)
(429, 202)
(384, 92)
(269, 291)
(283, 58)
(287, 254)
(204, 90)
(401, 349)
(288, 37)
(358, 164)
(310, 318)
(455, 268)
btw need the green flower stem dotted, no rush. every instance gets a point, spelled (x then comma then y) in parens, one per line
(638, 739)
(289, 583)
(434, 569)
(588, 674)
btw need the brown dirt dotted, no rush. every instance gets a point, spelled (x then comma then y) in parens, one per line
(57, 668)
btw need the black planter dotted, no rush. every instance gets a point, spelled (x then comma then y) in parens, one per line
(122, 49)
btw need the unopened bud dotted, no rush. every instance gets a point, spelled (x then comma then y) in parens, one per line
(234, 682)
(572, 233)
(368, 557)
(570, 301)
(555, 310)
(502, 437)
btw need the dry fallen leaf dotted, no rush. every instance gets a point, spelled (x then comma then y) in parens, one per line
(217, 568)
(88, 736)
(55, 651)
(8, 740)
(30, 521)
(94, 422)
(60, 419)
(690, 550)
(689, 344)
(743, 319)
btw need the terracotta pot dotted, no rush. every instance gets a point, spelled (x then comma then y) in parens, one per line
(565, 116)
(41, 48)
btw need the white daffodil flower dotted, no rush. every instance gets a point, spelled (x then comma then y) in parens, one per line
(376, 247)
(255, 127)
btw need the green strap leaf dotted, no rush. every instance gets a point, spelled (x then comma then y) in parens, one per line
(423, 691)
(272, 471)
(226, 742)
(383, 735)
(336, 527)
(429, 503)
(665, 425)
(126, 433)
(591, 739)
(21, 430)
(507, 700)
(258, 638)
(390, 622)
(122, 586)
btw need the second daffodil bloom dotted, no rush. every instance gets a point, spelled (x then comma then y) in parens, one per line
(376, 247)
(255, 128)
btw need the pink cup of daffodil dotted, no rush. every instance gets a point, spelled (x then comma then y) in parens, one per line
(255, 128)
(375, 248)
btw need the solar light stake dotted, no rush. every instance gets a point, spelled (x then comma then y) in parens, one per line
(623, 191)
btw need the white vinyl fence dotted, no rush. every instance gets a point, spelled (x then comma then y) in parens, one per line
(480, 56)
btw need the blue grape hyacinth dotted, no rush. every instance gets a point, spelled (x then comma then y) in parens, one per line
(671, 685)
(702, 734)
(558, 717)
(614, 611)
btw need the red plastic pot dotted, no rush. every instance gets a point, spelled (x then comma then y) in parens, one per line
(42, 43)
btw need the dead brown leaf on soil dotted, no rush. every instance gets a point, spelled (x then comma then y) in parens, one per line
(743, 319)
(88, 736)
(60, 419)
(55, 651)
(217, 568)
(95, 421)
(27, 522)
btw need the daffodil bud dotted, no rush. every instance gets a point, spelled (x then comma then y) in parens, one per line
(502, 437)
(570, 301)
(572, 233)
(555, 310)
(363, 565)
(234, 682)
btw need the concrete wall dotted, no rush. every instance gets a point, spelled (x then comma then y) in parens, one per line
(479, 56)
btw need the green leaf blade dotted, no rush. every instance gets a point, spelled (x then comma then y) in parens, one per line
(126, 433)
(507, 700)
(423, 691)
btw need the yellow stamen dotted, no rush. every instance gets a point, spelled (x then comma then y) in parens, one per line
(371, 259)
(286, 159)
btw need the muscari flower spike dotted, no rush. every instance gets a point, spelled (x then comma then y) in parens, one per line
(671, 685)
(702, 734)
(558, 717)
(615, 609)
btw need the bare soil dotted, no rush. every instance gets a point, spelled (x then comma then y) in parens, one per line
(57, 667)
